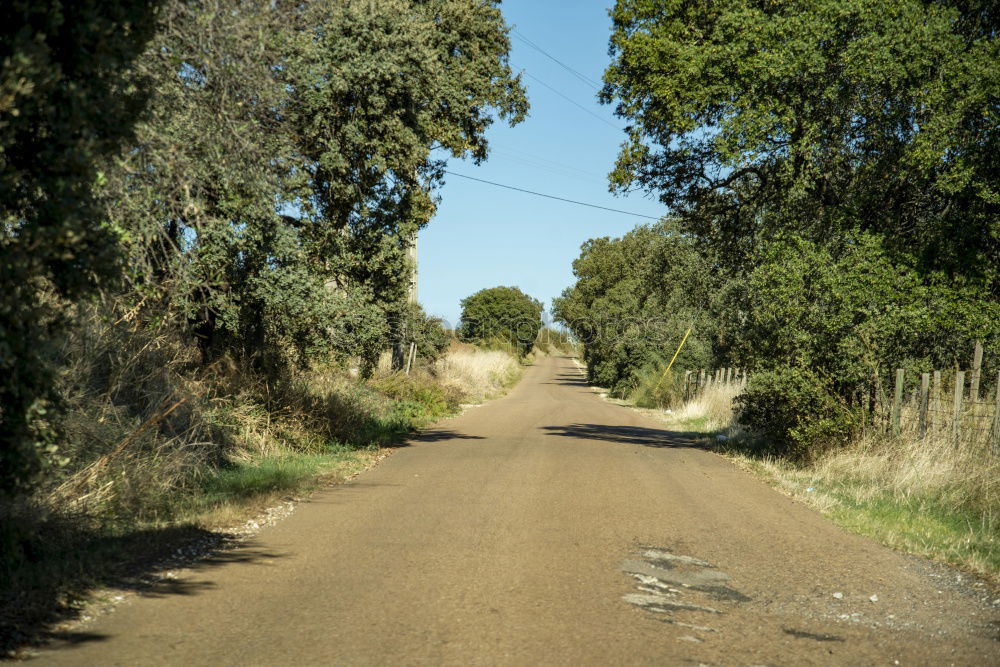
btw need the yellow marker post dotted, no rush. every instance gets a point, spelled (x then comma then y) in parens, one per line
(670, 365)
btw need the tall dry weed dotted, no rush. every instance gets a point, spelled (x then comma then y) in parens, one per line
(478, 374)
(712, 407)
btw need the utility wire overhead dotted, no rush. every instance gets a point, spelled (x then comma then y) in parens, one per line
(582, 77)
(558, 171)
(541, 194)
(532, 156)
(572, 101)
(546, 165)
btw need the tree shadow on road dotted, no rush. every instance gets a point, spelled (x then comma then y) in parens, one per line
(630, 435)
(569, 379)
(442, 435)
(49, 587)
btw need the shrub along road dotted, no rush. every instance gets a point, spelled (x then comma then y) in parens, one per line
(549, 527)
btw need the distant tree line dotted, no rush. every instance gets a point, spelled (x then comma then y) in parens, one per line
(247, 174)
(833, 168)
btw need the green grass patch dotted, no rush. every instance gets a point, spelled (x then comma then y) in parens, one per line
(696, 424)
(922, 526)
(292, 472)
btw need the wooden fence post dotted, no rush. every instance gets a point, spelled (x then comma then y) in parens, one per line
(411, 357)
(687, 385)
(977, 366)
(956, 412)
(925, 380)
(936, 419)
(897, 401)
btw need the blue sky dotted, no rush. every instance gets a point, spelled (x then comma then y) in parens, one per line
(483, 236)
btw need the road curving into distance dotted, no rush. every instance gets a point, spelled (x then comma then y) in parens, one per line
(549, 527)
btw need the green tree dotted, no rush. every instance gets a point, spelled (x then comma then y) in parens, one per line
(375, 90)
(824, 326)
(837, 160)
(65, 103)
(501, 314)
(200, 194)
(817, 116)
(270, 199)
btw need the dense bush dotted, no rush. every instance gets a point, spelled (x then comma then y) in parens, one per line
(837, 319)
(67, 106)
(413, 325)
(794, 412)
(656, 389)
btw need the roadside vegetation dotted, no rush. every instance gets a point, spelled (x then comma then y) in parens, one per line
(206, 217)
(835, 219)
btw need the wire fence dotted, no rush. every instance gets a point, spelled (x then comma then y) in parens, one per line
(960, 405)
(950, 403)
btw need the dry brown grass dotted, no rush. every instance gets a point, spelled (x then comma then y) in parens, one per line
(711, 409)
(477, 373)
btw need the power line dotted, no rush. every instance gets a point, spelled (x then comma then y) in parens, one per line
(573, 102)
(543, 167)
(539, 194)
(543, 164)
(583, 77)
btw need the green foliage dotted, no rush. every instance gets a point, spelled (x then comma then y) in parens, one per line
(653, 389)
(835, 162)
(793, 412)
(268, 202)
(817, 116)
(428, 333)
(632, 302)
(843, 318)
(503, 313)
(65, 104)
(372, 90)
(420, 393)
(283, 473)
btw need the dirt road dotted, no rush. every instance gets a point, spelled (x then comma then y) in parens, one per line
(549, 527)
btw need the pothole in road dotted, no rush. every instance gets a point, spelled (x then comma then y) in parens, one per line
(670, 584)
(815, 636)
